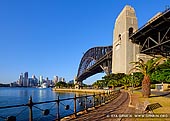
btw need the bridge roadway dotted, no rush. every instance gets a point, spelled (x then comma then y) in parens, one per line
(105, 112)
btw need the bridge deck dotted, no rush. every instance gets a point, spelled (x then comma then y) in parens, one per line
(105, 113)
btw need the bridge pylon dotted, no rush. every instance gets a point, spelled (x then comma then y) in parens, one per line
(124, 51)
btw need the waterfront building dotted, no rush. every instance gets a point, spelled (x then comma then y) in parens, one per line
(20, 81)
(61, 79)
(14, 84)
(47, 81)
(30, 82)
(51, 83)
(41, 80)
(71, 82)
(25, 80)
(33, 77)
(55, 80)
(34, 80)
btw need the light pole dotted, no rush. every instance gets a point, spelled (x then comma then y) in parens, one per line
(132, 82)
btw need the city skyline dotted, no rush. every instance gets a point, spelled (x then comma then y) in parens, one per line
(49, 38)
(25, 80)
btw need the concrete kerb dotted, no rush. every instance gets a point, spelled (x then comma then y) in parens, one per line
(130, 101)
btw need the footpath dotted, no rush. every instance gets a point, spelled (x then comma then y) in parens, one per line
(125, 106)
(109, 112)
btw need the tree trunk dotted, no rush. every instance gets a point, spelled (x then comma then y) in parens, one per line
(146, 91)
(113, 87)
(125, 87)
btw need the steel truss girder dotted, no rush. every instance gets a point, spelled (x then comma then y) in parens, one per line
(157, 44)
(154, 36)
(92, 57)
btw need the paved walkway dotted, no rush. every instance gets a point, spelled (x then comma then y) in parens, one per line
(117, 107)
(159, 93)
(108, 111)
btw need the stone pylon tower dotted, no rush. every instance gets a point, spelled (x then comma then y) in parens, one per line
(124, 51)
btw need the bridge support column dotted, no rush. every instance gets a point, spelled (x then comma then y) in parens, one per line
(78, 85)
(124, 51)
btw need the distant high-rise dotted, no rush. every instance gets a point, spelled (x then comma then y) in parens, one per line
(48, 81)
(41, 79)
(21, 79)
(35, 80)
(26, 81)
(61, 79)
(33, 77)
(55, 80)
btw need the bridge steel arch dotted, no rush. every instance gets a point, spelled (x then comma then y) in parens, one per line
(95, 60)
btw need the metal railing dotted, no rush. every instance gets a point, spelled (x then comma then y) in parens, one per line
(55, 109)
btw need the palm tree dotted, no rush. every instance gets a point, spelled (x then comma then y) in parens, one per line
(147, 69)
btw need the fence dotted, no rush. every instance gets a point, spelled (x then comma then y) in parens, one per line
(55, 109)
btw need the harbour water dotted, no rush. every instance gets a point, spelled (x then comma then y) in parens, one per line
(17, 96)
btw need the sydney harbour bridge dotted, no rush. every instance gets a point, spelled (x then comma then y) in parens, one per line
(150, 40)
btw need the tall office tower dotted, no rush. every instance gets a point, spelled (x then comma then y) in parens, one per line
(55, 80)
(124, 51)
(26, 81)
(33, 77)
(21, 78)
(41, 80)
(61, 79)
(64, 80)
(35, 80)
(47, 81)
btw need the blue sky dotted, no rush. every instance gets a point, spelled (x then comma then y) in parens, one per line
(49, 37)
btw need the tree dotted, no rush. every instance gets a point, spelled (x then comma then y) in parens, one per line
(147, 69)
(70, 85)
(113, 76)
(61, 84)
(126, 80)
(162, 73)
(137, 79)
(98, 84)
(112, 83)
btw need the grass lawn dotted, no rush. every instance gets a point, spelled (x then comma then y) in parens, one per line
(165, 109)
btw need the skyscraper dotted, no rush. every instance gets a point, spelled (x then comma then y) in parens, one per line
(21, 79)
(35, 80)
(26, 81)
(41, 79)
(61, 79)
(55, 80)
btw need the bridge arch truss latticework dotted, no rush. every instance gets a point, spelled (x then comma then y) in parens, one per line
(91, 57)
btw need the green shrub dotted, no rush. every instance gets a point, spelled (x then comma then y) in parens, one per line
(152, 86)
